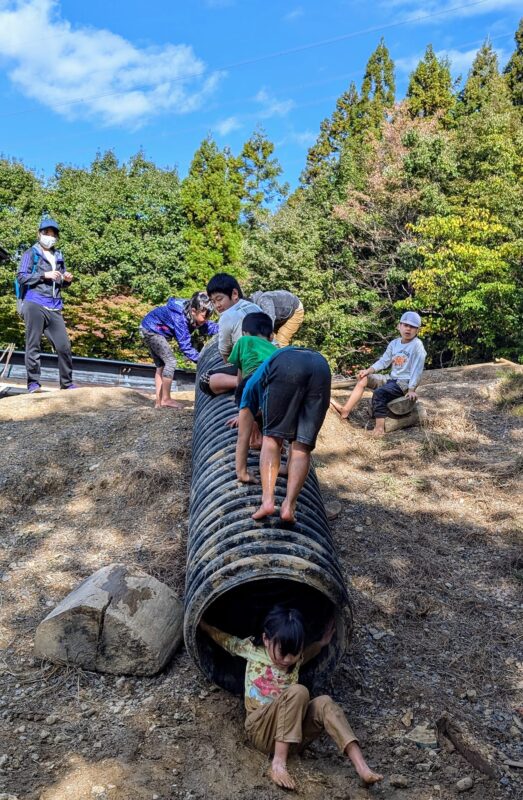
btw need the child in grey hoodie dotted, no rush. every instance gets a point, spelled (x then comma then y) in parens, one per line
(407, 356)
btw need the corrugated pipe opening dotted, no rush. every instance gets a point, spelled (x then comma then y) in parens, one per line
(238, 569)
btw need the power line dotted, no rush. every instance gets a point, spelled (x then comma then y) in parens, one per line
(263, 57)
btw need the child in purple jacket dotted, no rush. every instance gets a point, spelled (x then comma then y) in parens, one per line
(178, 319)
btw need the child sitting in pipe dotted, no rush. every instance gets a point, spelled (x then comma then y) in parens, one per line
(280, 713)
(291, 389)
(407, 356)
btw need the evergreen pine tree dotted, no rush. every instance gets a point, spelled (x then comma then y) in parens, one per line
(377, 91)
(430, 86)
(514, 69)
(211, 197)
(260, 171)
(334, 132)
(482, 80)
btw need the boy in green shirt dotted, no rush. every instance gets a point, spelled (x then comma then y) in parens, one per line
(252, 348)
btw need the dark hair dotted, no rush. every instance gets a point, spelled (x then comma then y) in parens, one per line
(258, 324)
(222, 283)
(284, 626)
(200, 302)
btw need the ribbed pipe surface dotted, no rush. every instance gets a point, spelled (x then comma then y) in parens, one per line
(237, 569)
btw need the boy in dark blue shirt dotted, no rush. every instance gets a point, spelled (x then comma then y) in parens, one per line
(178, 319)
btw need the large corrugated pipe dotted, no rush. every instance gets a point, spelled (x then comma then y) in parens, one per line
(237, 569)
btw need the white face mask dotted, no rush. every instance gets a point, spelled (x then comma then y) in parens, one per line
(47, 241)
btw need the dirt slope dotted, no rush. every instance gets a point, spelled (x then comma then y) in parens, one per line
(430, 541)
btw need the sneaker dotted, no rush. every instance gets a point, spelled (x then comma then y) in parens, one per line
(34, 386)
(71, 386)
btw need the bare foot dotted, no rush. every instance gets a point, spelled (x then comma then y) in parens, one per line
(170, 404)
(246, 477)
(157, 405)
(287, 511)
(378, 432)
(265, 510)
(339, 408)
(369, 776)
(280, 775)
(366, 774)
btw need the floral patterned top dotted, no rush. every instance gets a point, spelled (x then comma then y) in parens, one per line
(264, 681)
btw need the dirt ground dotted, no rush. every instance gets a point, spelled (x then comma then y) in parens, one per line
(429, 537)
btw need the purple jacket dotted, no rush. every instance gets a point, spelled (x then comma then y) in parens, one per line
(39, 289)
(170, 321)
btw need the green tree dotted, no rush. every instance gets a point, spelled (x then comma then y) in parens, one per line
(260, 171)
(482, 80)
(514, 70)
(378, 90)
(430, 86)
(334, 132)
(211, 195)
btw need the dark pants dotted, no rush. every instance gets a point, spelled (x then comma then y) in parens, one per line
(38, 321)
(383, 395)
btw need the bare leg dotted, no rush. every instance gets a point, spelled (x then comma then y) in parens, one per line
(158, 376)
(269, 466)
(166, 401)
(278, 771)
(220, 382)
(299, 463)
(245, 425)
(353, 751)
(353, 399)
(379, 428)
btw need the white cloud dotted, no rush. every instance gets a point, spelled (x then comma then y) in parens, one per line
(302, 138)
(445, 9)
(226, 126)
(296, 13)
(271, 107)
(89, 73)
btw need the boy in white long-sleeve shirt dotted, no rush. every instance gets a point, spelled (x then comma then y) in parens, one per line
(407, 356)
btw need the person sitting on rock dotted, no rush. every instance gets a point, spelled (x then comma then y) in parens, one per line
(280, 712)
(285, 310)
(178, 319)
(407, 356)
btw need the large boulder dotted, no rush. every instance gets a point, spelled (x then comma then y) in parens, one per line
(119, 620)
(416, 416)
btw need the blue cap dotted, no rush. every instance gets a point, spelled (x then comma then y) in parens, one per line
(48, 222)
(411, 318)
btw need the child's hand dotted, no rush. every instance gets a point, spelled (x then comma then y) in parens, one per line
(246, 477)
(328, 633)
(233, 422)
(411, 395)
(363, 373)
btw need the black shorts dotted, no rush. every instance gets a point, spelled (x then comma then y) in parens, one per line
(227, 369)
(296, 395)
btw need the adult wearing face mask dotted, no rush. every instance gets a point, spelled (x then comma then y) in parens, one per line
(41, 276)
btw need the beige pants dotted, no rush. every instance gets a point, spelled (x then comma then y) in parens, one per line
(293, 717)
(290, 327)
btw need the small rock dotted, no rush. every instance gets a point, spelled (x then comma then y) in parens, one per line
(97, 790)
(3, 760)
(465, 784)
(91, 469)
(471, 694)
(399, 781)
(423, 736)
(407, 718)
(358, 529)
(44, 734)
(52, 719)
(333, 509)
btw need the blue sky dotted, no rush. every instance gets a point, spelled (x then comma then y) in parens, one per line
(77, 77)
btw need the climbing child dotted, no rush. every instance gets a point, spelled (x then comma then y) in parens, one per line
(285, 310)
(407, 356)
(280, 713)
(252, 348)
(227, 297)
(178, 319)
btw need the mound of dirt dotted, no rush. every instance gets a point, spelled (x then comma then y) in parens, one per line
(429, 538)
